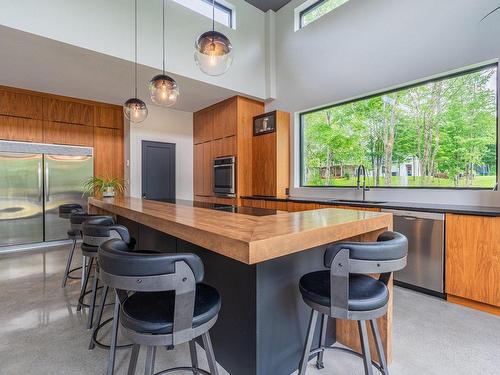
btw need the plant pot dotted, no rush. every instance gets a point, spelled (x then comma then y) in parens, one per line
(108, 193)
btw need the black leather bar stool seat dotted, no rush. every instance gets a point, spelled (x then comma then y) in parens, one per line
(160, 302)
(154, 312)
(345, 291)
(65, 212)
(365, 292)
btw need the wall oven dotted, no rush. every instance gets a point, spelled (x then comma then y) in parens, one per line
(225, 176)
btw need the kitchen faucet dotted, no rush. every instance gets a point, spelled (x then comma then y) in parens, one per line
(361, 167)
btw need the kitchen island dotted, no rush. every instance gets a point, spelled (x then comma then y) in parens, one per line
(255, 260)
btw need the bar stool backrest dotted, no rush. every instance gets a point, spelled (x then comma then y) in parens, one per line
(138, 271)
(97, 230)
(386, 255)
(65, 210)
(78, 218)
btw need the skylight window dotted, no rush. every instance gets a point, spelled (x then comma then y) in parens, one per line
(224, 12)
(311, 10)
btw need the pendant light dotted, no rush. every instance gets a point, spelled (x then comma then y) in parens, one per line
(213, 50)
(162, 88)
(135, 109)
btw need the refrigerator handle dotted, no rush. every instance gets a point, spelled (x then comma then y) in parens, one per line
(47, 184)
(40, 181)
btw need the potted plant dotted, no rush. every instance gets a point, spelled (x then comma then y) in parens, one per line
(108, 187)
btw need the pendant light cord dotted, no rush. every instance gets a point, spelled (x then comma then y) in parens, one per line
(213, 15)
(164, 55)
(135, 48)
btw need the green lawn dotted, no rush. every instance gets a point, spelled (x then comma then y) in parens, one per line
(397, 181)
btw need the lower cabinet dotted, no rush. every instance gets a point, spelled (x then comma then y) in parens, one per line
(473, 260)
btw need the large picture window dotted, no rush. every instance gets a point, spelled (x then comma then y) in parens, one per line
(436, 134)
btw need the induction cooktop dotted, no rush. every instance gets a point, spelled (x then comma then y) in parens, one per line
(253, 211)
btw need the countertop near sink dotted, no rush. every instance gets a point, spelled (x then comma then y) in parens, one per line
(426, 207)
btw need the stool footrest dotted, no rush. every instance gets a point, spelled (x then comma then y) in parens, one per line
(74, 277)
(80, 300)
(346, 350)
(100, 344)
(169, 371)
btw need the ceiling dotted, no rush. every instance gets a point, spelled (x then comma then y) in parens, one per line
(265, 5)
(40, 64)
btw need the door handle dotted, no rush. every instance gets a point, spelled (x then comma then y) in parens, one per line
(40, 182)
(47, 182)
(409, 218)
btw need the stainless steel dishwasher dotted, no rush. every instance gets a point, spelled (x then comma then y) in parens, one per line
(425, 233)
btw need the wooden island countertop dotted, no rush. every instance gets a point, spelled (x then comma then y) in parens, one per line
(248, 239)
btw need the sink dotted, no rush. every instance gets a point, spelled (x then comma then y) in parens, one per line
(360, 201)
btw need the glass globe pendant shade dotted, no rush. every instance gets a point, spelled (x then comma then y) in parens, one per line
(213, 53)
(163, 90)
(135, 110)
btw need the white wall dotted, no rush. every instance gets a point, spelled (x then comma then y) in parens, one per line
(163, 125)
(366, 46)
(107, 27)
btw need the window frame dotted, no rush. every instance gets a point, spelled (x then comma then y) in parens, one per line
(223, 6)
(229, 11)
(307, 10)
(397, 89)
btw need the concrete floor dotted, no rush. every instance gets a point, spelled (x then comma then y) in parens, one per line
(41, 332)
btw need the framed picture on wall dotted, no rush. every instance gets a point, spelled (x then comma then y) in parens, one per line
(264, 124)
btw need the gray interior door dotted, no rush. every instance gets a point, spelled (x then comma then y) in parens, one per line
(158, 171)
(21, 198)
(64, 179)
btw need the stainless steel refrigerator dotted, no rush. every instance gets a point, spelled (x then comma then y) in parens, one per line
(34, 180)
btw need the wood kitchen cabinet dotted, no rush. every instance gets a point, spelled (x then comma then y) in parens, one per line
(224, 129)
(203, 123)
(202, 178)
(20, 103)
(68, 111)
(473, 261)
(21, 129)
(31, 116)
(271, 159)
(224, 119)
(67, 134)
(224, 147)
(108, 152)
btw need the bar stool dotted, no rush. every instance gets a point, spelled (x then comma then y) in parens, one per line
(95, 231)
(346, 292)
(65, 211)
(161, 301)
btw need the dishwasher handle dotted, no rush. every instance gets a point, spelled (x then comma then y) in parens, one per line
(413, 215)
